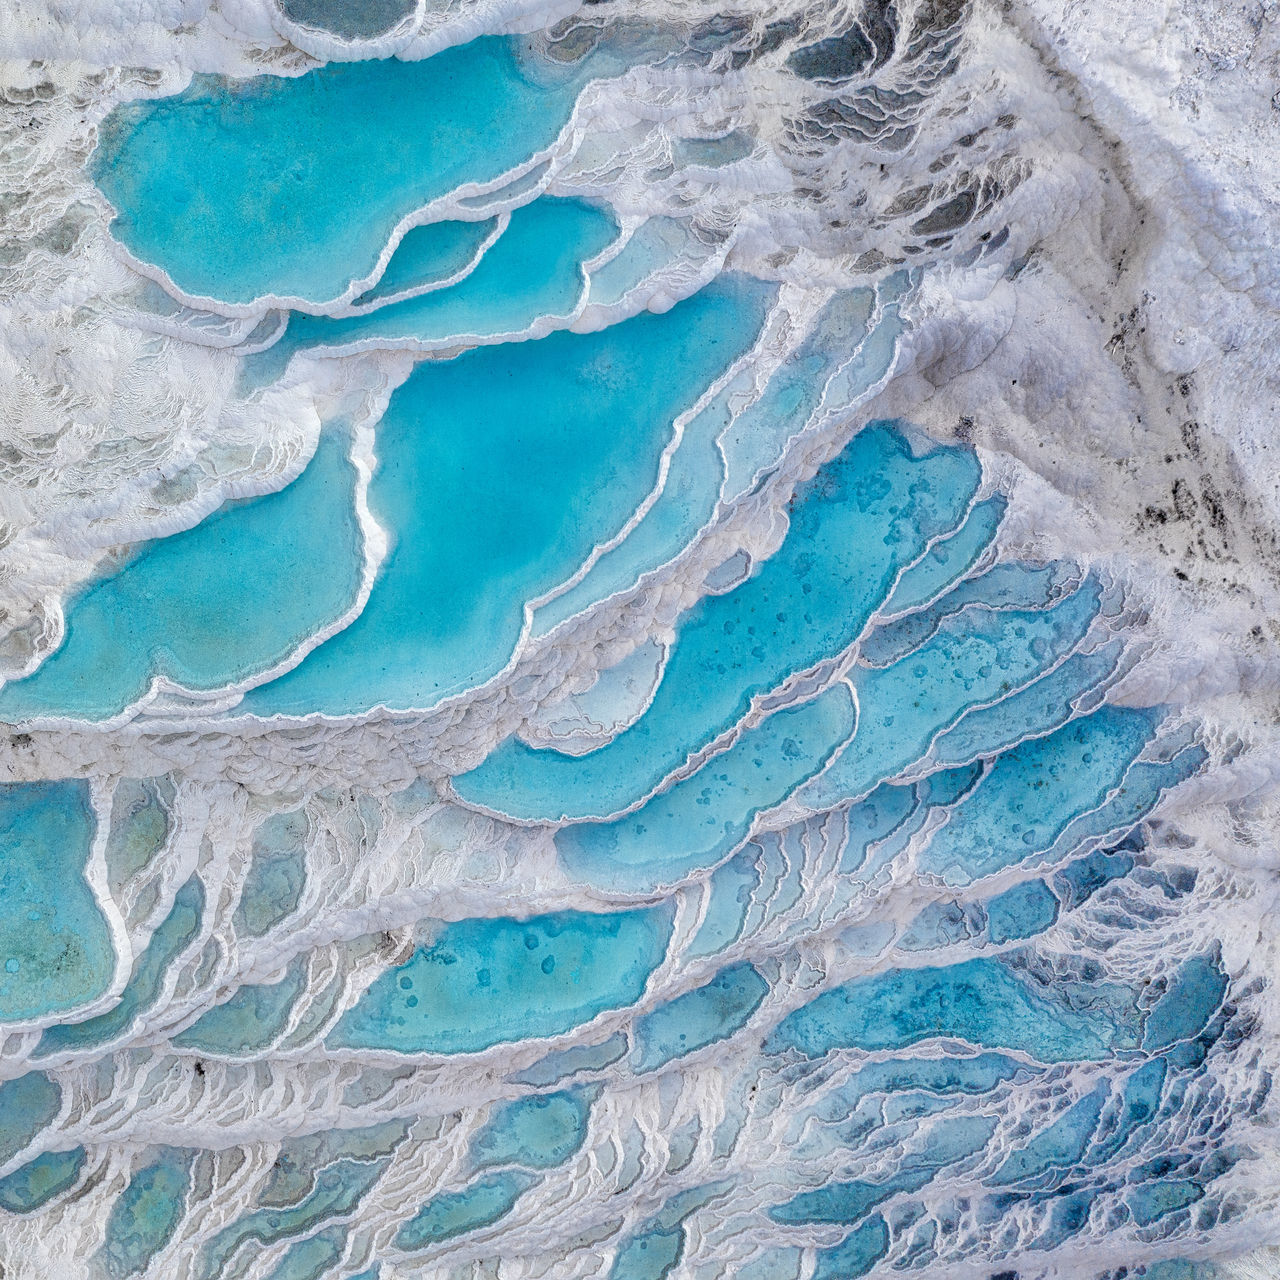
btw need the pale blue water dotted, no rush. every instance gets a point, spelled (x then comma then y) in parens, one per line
(981, 1001)
(853, 528)
(563, 1063)
(486, 981)
(171, 937)
(146, 1213)
(498, 472)
(34, 1185)
(976, 658)
(277, 874)
(219, 603)
(1042, 706)
(251, 1019)
(949, 558)
(1006, 586)
(55, 947)
(428, 255)
(1029, 796)
(243, 189)
(731, 886)
(534, 269)
(699, 1017)
(539, 1132)
(699, 820)
(27, 1104)
(452, 1214)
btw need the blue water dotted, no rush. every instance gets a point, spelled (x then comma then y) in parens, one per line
(539, 1132)
(171, 937)
(699, 1017)
(455, 1213)
(1042, 706)
(487, 981)
(979, 1001)
(242, 189)
(251, 1019)
(1060, 1145)
(55, 946)
(146, 1213)
(27, 1104)
(217, 604)
(428, 255)
(534, 269)
(699, 820)
(277, 874)
(853, 528)
(498, 472)
(35, 1184)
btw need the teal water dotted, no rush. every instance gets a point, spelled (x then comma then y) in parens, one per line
(650, 1256)
(979, 1001)
(487, 981)
(457, 1212)
(140, 826)
(311, 1258)
(219, 603)
(534, 270)
(853, 528)
(338, 1190)
(562, 1063)
(976, 658)
(55, 946)
(270, 186)
(860, 1250)
(277, 873)
(146, 1213)
(428, 255)
(702, 818)
(27, 1104)
(251, 1019)
(498, 472)
(1021, 912)
(352, 22)
(539, 1132)
(296, 1166)
(35, 1184)
(171, 937)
